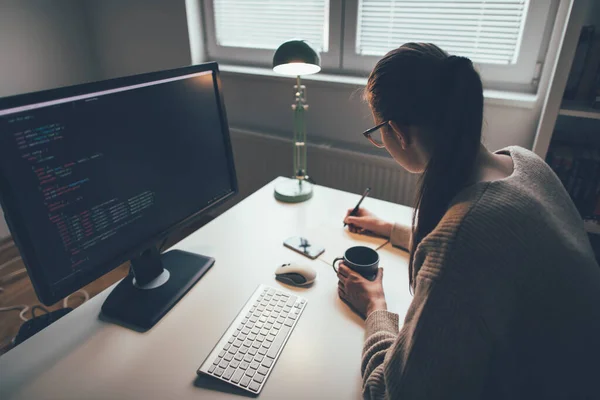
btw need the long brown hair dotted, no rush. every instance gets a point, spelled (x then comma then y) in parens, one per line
(418, 84)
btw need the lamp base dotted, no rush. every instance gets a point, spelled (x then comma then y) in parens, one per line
(293, 191)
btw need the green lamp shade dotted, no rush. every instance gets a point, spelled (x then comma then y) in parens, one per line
(296, 57)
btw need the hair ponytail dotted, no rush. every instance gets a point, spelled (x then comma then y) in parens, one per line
(419, 84)
(453, 152)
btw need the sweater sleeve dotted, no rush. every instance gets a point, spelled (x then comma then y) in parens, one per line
(440, 351)
(401, 235)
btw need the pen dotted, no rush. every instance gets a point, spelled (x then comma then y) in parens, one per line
(353, 213)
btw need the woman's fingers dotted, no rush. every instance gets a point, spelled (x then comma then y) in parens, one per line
(343, 271)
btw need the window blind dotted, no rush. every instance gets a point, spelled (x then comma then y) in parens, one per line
(265, 24)
(486, 31)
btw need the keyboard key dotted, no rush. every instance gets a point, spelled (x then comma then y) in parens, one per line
(264, 331)
(289, 322)
(262, 351)
(287, 309)
(237, 332)
(239, 357)
(250, 372)
(259, 325)
(254, 386)
(271, 292)
(278, 342)
(291, 300)
(234, 363)
(219, 371)
(256, 344)
(231, 339)
(259, 358)
(242, 337)
(278, 309)
(254, 365)
(258, 378)
(237, 343)
(240, 327)
(245, 331)
(267, 362)
(250, 325)
(251, 336)
(270, 337)
(227, 346)
(237, 376)
(248, 357)
(252, 351)
(263, 370)
(217, 361)
(263, 319)
(276, 325)
(268, 325)
(211, 369)
(228, 357)
(228, 373)
(259, 339)
(223, 364)
(232, 350)
(281, 320)
(269, 308)
(266, 344)
(245, 381)
(253, 319)
(255, 330)
(222, 353)
(243, 349)
(244, 365)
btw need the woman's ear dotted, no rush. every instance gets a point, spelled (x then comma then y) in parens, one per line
(403, 134)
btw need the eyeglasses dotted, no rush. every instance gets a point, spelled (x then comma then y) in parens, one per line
(375, 135)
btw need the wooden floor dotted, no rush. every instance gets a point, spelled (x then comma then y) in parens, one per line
(18, 290)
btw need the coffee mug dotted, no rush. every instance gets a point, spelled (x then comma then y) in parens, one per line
(361, 259)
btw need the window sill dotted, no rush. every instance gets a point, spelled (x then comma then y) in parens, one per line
(495, 97)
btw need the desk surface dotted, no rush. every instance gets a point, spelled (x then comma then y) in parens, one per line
(81, 356)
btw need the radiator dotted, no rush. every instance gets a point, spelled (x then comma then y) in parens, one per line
(261, 158)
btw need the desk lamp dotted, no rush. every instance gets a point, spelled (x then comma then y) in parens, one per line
(295, 58)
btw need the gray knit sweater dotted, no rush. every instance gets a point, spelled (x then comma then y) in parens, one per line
(507, 300)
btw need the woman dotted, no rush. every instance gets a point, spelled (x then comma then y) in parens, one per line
(506, 288)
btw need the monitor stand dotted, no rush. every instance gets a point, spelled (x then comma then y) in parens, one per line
(154, 285)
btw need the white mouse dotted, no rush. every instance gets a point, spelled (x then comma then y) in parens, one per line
(296, 274)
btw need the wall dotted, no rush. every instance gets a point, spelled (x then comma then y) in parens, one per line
(43, 44)
(337, 113)
(136, 36)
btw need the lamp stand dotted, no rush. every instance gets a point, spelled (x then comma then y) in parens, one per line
(298, 188)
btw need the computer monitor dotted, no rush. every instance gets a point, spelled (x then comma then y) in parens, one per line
(97, 174)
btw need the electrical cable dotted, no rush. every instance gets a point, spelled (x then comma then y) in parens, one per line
(21, 307)
(85, 294)
(38, 307)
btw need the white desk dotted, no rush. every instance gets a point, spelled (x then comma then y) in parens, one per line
(81, 357)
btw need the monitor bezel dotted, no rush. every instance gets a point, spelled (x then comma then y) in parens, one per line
(49, 293)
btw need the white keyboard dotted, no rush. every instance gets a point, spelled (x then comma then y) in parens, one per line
(247, 352)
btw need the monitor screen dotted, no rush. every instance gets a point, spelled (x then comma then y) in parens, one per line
(95, 175)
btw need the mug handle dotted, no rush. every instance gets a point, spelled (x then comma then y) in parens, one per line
(336, 260)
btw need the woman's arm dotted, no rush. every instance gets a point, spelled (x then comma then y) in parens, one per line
(401, 235)
(442, 351)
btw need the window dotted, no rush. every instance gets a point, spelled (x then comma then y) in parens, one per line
(503, 37)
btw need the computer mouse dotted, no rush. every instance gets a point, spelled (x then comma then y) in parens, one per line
(296, 274)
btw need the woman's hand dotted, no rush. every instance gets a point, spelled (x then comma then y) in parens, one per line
(363, 295)
(364, 221)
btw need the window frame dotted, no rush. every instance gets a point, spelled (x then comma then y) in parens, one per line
(341, 57)
(330, 60)
(516, 76)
